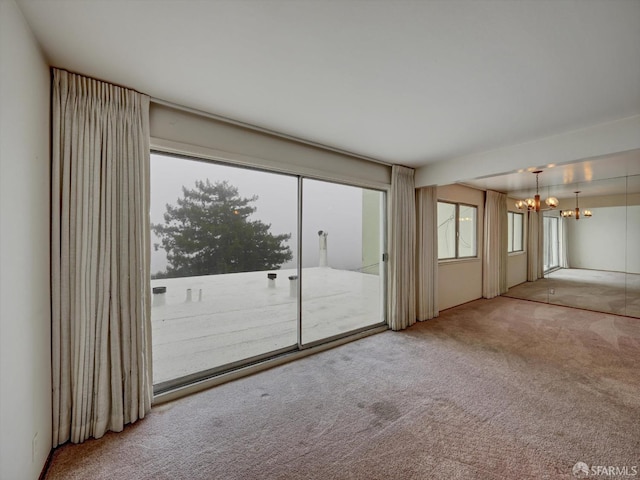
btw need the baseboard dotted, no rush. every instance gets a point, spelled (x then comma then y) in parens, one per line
(45, 468)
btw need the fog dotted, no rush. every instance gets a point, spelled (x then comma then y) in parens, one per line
(333, 208)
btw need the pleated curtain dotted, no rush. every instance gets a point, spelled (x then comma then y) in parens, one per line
(101, 350)
(426, 253)
(494, 262)
(402, 249)
(534, 246)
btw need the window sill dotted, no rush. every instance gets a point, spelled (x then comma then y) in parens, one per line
(458, 260)
(515, 254)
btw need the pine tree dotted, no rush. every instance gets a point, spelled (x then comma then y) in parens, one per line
(209, 232)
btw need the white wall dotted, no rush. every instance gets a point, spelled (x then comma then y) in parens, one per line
(609, 239)
(25, 365)
(599, 242)
(516, 269)
(460, 281)
(633, 239)
(633, 225)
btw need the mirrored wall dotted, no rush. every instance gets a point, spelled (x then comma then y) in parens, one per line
(590, 257)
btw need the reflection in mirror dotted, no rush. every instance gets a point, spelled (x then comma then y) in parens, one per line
(594, 275)
(591, 262)
(633, 240)
(551, 242)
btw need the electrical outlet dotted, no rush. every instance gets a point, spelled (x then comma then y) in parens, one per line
(552, 291)
(34, 447)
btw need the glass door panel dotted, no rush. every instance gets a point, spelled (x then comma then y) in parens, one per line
(342, 272)
(223, 245)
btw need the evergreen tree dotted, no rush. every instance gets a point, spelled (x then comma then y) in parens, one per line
(209, 232)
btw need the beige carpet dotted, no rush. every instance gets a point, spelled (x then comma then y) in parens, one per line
(494, 389)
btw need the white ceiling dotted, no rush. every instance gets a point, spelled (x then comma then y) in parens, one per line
(408, 82)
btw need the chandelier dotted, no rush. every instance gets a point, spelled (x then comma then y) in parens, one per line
(534, 203)
(576, 212)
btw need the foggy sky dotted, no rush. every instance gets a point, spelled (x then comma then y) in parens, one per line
(330, 207)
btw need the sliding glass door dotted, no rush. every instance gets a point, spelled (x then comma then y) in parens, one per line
(223, 246)
(342, 275)
(229, 286)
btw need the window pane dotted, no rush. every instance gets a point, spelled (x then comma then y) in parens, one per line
(551, 243)
(546, 250)
(468, 231)
(342, 274)
(555, 243)
(518, 232)
(446, 230)
(510, 232)
(223, 246)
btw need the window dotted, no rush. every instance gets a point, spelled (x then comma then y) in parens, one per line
(515, 227)
(551, 237)
(342, 228)
(241, 267)
(457, 230)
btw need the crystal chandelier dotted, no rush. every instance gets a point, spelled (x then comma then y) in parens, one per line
(576, 212)
(534, 203)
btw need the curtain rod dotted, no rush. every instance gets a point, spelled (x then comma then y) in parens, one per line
(266, 131)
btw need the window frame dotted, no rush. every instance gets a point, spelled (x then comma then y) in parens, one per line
(209, 374)
(510, 248)
(457, 232)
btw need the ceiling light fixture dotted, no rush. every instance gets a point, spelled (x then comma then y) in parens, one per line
(533, 204)
(576, 213)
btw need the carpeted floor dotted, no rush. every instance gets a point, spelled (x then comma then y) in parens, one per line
(494, 389)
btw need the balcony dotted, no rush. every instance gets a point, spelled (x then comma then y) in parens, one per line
(205, 322)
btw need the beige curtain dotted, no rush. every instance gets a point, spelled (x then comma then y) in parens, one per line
(402, 249)
(426, 253)
(101, 370)
(534, 247)
(494, 261)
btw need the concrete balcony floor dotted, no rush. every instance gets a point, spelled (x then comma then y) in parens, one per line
(237, 316)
